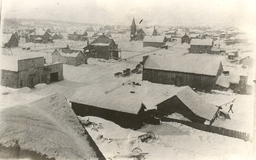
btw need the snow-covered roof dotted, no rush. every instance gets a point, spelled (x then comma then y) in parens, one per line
(100, 44)
(51, 119)
(158, 39)
(203, 42)
(38, 38)
(191, 63)
(119, 97)
(197, 104)
(223, 81)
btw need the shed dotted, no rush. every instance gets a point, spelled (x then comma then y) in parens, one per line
(190, 105)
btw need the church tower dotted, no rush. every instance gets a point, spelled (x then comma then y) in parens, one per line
(133, 30)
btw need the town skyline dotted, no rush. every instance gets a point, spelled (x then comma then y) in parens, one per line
(111, 12)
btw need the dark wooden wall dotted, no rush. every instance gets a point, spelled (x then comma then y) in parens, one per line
(126, 120)
(198, 81)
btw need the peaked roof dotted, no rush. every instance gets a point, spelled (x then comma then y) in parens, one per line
(133, 22)
(158, 39)
(190, 63)
(101, 40)
(205, 42)
(196, 103)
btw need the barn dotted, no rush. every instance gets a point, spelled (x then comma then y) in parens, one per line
(103, 47)
(200, 45)
(18, 72)
(199, 71)
(154, 41)
(187, 103)
(69, 56)
(127, 105)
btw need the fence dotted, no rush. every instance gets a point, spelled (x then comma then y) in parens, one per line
(213, 129)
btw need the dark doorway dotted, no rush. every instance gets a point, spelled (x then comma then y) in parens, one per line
(31, 82)
(54, 77)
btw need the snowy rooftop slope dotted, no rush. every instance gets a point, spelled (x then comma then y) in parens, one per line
(206, 42)
(121, 99)
(48, 126)
(64, 54)
(197, 104)
(102, 39)
(158, 39)
(114, 98)
(191, 63)
(223, 81)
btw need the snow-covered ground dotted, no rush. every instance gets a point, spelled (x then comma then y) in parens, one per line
(174, 141)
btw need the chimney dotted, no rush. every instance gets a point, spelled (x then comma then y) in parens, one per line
(67, 46)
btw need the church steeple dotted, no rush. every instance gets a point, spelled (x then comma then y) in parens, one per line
(133, 22)
(133, 30)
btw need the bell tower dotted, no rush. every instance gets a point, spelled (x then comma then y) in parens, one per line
(133, 30)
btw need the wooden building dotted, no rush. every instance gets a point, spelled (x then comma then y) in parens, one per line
(154, 41)
(140, 34)
(194, 70)
(57, 36)
(188, 103)
(40, 36)
(69, 56)
(78, 35)
(27, 72)
(185, 39)
(102, 47)
(13, 42)
(200, 46)
(128, 105)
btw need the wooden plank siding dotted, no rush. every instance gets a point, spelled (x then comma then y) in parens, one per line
(199, 81)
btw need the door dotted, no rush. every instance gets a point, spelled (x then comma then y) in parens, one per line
(31, 81)
(54, 77)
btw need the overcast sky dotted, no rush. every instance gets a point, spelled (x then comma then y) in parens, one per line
(153, 12)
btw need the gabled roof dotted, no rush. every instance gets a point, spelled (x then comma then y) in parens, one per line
(119, 97)
(102, 40)
(196, 103)
(157, 39)
(204, 64)
(68, 52)
(202, 42)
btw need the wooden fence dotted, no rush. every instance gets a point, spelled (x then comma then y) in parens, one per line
(213, 129)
